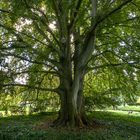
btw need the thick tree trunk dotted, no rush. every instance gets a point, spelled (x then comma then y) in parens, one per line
(72, 113)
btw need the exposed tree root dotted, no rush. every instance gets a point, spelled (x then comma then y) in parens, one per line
(80, 122)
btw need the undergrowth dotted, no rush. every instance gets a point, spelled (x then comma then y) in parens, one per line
(117, 127)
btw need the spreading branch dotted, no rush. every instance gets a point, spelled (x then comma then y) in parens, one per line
(90, 34)
(28, 86)
(113, 65)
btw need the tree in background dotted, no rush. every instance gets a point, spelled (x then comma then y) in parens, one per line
(51, 45)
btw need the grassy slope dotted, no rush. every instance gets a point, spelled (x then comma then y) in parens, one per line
(119, 126)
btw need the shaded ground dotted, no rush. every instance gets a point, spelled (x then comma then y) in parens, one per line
(111, 126)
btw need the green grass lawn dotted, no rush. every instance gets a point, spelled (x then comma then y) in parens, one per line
(128, 108)
(117, 116)
(113, 126)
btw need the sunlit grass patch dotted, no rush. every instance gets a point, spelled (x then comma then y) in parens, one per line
(117, 115)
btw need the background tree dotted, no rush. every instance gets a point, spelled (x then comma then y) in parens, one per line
(50, 46)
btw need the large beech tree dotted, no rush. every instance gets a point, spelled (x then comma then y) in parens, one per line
(61, 41)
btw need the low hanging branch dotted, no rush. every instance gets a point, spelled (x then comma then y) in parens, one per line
(28, 86)
(53, 62)
(36, 71)
(113, 65)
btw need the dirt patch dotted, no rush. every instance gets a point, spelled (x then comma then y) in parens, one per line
(43, 125)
